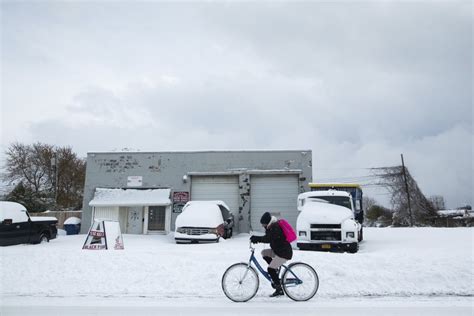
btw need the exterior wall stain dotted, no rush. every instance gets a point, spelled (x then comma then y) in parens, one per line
(244, 207)
(120, 165)
(156, 167)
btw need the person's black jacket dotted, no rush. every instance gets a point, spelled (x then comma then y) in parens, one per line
(277, 240)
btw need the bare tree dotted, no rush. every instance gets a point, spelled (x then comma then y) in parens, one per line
(393, 179)
(70, 178)
(30, 164)
(368, 202)
(52, 176)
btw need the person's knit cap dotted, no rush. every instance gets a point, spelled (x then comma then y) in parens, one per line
(266, 218)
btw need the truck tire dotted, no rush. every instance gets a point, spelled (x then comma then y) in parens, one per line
(361, 234)
(43, 238)
(353, 248)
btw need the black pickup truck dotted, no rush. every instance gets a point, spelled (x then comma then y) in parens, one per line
(18, 227)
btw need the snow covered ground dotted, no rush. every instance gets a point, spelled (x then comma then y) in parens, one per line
(419, 271)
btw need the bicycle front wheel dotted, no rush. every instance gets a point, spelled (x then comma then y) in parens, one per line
(240, 282)
(300, 281)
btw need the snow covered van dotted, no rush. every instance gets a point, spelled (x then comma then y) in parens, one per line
(18, 227)
(204, 221)
(326, 221)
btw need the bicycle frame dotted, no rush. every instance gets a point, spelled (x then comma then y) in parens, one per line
(253, 259)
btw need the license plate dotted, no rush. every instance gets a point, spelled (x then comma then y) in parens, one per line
(326, 246)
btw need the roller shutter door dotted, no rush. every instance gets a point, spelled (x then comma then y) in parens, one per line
(276, 194)
(224, 188)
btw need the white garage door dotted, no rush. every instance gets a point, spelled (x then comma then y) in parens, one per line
(224, 188)
(276, 194)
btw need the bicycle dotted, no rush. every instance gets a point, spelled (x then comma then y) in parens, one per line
(240, 282)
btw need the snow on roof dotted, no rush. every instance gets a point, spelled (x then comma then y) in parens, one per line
(124, 151)
(14, 211)
(11, 206)
(130, 197)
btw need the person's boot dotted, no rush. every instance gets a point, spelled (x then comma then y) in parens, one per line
(267, 259)
(276, 282)
(278, 291)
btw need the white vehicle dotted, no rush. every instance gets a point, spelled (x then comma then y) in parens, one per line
(327, 221)
(204, 221)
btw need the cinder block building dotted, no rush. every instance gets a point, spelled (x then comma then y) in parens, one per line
(145, 191)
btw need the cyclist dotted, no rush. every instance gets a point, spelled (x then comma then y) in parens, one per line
(280, 251)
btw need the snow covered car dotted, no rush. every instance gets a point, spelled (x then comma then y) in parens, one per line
(204, 221)
(18, 227)
(327, 222)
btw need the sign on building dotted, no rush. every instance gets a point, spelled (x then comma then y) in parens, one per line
(134, 181)
(179, 200)
(104, 235)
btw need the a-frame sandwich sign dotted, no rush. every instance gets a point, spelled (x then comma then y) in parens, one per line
(104, 235)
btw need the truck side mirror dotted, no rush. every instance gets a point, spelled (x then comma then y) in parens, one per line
(299, 204)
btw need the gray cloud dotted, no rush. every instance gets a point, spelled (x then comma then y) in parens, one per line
(356, 83)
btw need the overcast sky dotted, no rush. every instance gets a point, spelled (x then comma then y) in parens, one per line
(357, 83)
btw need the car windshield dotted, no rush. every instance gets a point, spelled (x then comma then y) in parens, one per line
(337, 200)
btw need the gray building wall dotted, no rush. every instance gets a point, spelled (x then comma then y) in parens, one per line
(167, 170)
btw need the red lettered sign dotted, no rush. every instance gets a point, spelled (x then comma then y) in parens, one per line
(180, 197)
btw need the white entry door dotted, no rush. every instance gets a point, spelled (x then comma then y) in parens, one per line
(135, 220)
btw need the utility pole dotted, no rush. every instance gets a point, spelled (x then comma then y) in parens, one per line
(54, 163)
(408, 192)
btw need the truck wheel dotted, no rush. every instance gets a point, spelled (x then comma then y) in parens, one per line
(361, 234)
(43, 239)
(353, 248)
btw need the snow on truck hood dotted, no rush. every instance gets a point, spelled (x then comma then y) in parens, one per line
(203, 214)
(324, 213)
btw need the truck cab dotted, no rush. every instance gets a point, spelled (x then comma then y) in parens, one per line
(327, 222)
(18, 227)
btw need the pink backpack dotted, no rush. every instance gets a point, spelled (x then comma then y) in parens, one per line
(288, 231)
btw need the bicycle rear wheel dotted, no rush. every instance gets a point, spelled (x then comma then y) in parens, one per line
(300, 281)
(240, 282)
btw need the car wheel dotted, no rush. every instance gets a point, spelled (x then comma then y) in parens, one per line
(43, 239)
